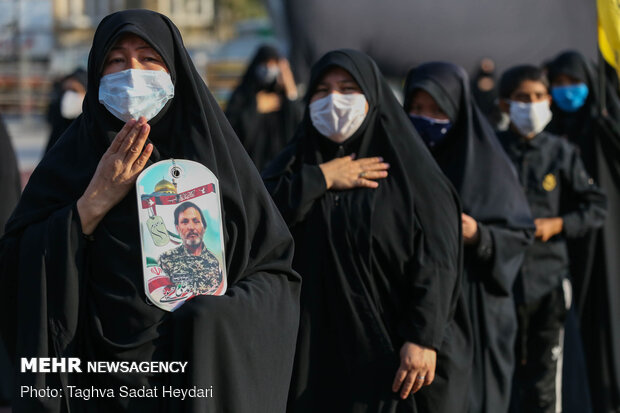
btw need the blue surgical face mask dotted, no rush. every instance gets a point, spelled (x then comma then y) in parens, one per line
(432, 130)
(267, 75)
(570, 98)
(133, 93)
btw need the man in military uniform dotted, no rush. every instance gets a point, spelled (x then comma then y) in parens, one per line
(191, 267)
(565, 203)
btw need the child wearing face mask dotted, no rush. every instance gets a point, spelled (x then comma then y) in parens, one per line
(565, 203)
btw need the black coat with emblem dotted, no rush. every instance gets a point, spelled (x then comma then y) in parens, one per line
(379, 266)
(556, 185)
(473, 159)
(73, 298)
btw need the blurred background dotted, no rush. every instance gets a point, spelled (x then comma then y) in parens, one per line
(43, 41)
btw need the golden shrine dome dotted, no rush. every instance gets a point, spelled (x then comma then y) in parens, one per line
(165, 187)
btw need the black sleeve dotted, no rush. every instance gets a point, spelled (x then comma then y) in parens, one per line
(435, 278)
(589, 201)
(484, 248)
(294, 190)
(498, 256)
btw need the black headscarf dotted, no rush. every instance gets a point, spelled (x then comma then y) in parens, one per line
(591, 122)
(380, 266)
(471, 156)
(474, 161)
(595, 264)
(87, 300)
(59, 123)
(486, 95)
(250, 81)
(263, 135)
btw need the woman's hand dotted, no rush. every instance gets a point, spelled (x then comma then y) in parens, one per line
(347, 173)
(116, 173)
(417, 369)
(470, 230)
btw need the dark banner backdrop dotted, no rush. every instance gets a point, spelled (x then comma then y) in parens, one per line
(400, 34)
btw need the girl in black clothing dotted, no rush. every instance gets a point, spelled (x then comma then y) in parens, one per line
(496, 221)
(579, 116)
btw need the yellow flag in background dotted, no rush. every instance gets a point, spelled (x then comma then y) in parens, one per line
(609, 31)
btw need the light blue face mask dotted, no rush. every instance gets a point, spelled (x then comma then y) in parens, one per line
(570, 98)
(133, 93)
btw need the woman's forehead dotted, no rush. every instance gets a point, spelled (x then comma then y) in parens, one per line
(130, 40)
(566, 77)
(422, 96)
(336, 74)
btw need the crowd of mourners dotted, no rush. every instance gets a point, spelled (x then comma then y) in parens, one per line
(455, 250)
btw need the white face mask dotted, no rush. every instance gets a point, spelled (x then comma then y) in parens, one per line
(133, 93)
(530, 118)
(71, 104)
(338, 116)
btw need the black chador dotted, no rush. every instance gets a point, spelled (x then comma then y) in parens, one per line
(595, 262)
(56, 120)
(263, 135)
(380, 266)
(71, 297)
(472, 158)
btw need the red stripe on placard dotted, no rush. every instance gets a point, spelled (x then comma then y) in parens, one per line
(158, 282)
(148, 201)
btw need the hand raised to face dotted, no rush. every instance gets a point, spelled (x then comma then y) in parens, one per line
(116, 173)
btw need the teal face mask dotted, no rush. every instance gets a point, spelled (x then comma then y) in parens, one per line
(570, 98)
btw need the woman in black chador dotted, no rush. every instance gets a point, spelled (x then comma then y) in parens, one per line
(579, 115)
(263, 110)
(73, 295)
(377, 233)
(497, 225)
(66, 104)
